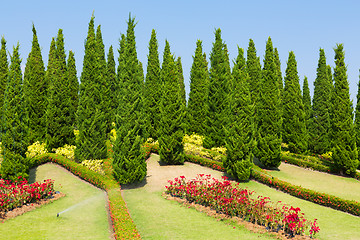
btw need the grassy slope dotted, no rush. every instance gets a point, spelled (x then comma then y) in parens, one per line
(347, 188)
(158, 218)
(88, 220)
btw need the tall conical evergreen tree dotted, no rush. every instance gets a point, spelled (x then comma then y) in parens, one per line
(254, 70)
(152, 89)
(4, 71)
(278, 68)
(268, 113)
(14, 143)
(73, 87)
(181, 80)
(344, 150)
(35, 91)
(172, 112)
(199, 83)
(111, 78)
(59, 125)
(306, 98)
(294, 125)
(121, 70)
(102, 80)
(91, 142)
(218, 94)
(239, 133)
(320, 114)
(129, 163)
(357, 118)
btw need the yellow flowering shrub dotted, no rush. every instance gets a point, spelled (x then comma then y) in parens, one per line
(112, 135)
(221, 150)
(67, 151)
(152, 141)
(94, 165)
(36, 149)
(327, 155)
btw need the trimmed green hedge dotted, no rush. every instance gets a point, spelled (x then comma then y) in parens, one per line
(306, 164)
(123, 225)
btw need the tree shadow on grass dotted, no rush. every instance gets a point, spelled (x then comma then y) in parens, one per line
(32, 175)
(135, 184)
(262, 166)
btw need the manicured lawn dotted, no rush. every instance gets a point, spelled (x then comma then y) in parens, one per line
(86, 220)
(333, 224)
(346, 188)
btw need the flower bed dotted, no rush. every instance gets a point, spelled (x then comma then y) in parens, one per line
(16, 194)
(223, 197)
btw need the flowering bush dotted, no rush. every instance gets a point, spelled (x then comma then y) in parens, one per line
(113, 135)
(223, 197)
(94, 165)
(15, 194)
(36, 149)
(67, 151)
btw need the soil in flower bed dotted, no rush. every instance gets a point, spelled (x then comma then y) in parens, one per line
(221, 217)
(29, 207)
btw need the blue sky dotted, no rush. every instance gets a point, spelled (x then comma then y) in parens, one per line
(299, 26)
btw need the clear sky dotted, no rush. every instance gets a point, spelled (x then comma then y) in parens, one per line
(299, 26)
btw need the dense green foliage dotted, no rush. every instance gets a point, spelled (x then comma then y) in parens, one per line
(152, 89)
(90, 143)
(357, 117)
(35, 92)
(59, 124)
(113, 86)
(239, 132)
(254, 70)
(129, 162)
(181, 80)
(268, 113)
(4, 71)
(321, 107)
(294, 125)
(172, 112)
(278, 68)
(197, 104)
(306, 98)
(73, 87)
(345, 153)
(218, 95)
(14, 134)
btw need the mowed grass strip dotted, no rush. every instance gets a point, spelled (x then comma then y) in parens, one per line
(343, 187)
(86, 217)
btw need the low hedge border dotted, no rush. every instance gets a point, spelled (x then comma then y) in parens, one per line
(261, 176)
(123, 225)
(314, 166)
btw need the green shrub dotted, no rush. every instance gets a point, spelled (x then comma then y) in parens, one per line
(36, 149)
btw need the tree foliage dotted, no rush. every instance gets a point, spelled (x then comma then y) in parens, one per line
(73, 87)
(344, 150)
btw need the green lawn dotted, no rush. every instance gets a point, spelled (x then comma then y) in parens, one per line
(87, 219)
(347, 188)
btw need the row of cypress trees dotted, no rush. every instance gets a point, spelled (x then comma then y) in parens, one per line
(247, 108)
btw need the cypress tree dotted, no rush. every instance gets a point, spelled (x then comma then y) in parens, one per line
(218, 94)
(278, 69)
(111, 78)
(181, 80)
(239, 133)
(120, 70)
(357, 117)
(294, 125)
(73, 87)
(306, 98)
(4, 71)
(14, 143)
(254, 70)
(91, 142)
(129, 163)
(344, 150)
(35, 92)
(199, 83)
(268, 115)
(320, 114)
(59, 127)
(152, 89)
(172, 112)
